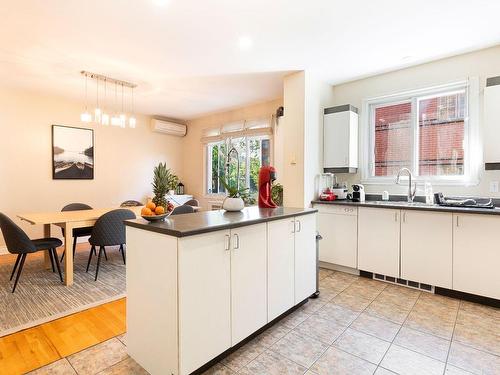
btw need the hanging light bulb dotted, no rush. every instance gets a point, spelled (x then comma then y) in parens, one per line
(123, 118)
(131, 119)
(97, 110)
(86, 116)
(104, 115)
(115, 120)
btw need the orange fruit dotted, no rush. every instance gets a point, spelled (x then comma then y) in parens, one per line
(159, 210)
(151, 205)
(146, 211)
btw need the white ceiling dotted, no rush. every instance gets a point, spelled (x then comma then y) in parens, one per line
(185, 54)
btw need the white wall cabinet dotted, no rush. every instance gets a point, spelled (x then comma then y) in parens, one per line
(476, 254)
(248, 280)
(426, 247)
(204, 298)
(338, 225)
(378, 240)
(305, 257)
(340, 139)
(281, 266)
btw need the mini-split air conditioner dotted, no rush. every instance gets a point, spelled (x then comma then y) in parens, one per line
(168, 127)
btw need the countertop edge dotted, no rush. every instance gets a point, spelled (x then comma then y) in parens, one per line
(187, 233)
(421, 207)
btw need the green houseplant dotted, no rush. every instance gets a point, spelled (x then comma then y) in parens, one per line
(235, 196)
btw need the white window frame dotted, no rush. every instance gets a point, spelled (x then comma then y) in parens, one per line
(472, 144)
(207, 161)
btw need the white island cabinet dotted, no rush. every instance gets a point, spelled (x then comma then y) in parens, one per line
(200, 283)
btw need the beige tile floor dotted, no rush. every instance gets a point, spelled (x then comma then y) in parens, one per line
(356, 326)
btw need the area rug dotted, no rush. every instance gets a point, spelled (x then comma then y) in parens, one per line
(41, 297)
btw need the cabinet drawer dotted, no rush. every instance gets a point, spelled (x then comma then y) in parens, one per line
(339, 209)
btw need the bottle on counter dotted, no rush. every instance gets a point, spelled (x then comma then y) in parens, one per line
(429, 195)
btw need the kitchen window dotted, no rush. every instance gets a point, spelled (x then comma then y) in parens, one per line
(252, 141)
(430, 131)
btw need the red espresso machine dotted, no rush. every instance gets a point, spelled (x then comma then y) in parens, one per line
(267, 175)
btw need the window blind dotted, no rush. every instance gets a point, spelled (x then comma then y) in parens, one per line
(236, 129)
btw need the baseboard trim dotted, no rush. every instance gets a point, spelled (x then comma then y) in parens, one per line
(468, 297)
(336, 267)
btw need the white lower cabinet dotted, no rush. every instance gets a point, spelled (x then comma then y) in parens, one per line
(204, 298)
(426, 247)
(280, 266)
(248, 281)
(378, 240)
(305, 257)
(338, 225)
(476, 254)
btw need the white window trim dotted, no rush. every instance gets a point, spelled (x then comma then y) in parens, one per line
(472, 151)
(221, 196)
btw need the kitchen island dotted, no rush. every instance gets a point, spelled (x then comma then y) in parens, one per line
(200, 284)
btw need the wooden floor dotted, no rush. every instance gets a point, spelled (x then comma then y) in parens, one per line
(35, 347)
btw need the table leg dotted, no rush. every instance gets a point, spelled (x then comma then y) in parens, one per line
(68, 258)
(46, 258)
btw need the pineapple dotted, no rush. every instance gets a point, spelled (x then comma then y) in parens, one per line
(161, 177)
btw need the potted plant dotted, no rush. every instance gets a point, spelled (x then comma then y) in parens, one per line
(234, 200)
(172, 183)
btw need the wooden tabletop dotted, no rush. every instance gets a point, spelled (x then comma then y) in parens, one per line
(69, 216)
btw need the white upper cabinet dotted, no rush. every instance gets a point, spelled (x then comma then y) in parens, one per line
(426, 247)
(378, 240)
(248, 280)
(476, 254)
(305, 257)
(492, 121)
(340, 139)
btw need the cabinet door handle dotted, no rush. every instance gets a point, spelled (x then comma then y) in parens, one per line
(457, 221)
(297, 226)
(237, 241)
(227, 242)
(293, 224)
(404, 217)
(396, 216)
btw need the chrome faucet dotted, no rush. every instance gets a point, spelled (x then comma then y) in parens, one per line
(411, 194)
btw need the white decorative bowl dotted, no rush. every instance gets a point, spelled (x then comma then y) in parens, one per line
(233, 204)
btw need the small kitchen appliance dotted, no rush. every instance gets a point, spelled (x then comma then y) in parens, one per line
(340, 190)
(358, 193)
(326, 183)
(267, 175)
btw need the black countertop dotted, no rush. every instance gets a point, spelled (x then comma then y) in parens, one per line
(210, 221)
(413, 206)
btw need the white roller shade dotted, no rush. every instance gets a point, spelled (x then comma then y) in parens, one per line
(254, 127)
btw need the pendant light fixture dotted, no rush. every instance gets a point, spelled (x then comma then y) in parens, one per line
(86, 116)
(115, 120)
(123, 117)
(97, 110)
(131, 119)
(105, 116)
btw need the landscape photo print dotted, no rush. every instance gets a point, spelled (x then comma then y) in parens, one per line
(72, 153)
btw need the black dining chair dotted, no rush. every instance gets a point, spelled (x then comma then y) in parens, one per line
(182, 210)
(192, 202)
(131, 203)
(19, 243)
(109, 230)
(77, 232)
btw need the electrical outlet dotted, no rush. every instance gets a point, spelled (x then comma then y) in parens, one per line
(494, 187)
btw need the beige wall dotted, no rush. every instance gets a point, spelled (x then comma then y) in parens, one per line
(482, 64)
(193, 157)
(124, 158)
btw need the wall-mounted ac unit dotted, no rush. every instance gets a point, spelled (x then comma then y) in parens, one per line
(168, 127)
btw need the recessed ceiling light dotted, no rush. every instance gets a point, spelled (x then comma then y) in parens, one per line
(161, 3)
(245, 43)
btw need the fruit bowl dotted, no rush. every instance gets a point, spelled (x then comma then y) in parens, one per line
(156, 217)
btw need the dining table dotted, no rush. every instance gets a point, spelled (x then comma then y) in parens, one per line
(68, 220)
